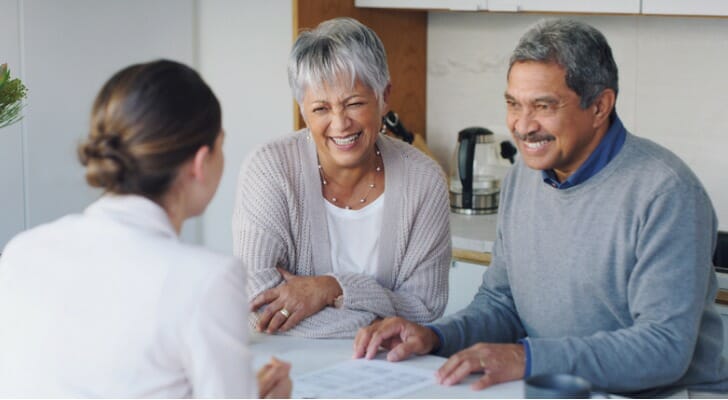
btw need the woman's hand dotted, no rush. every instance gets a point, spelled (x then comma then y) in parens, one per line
(273, 380)
(299, 297)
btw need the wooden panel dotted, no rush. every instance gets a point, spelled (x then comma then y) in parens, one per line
(722, 297)
(471, 256)
(404, 35)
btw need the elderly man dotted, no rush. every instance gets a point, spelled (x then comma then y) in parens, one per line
(602, 265)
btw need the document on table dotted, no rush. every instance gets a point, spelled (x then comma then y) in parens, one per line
(362, 379)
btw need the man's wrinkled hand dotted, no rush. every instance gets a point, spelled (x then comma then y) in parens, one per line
(498, 363)
(401, 337)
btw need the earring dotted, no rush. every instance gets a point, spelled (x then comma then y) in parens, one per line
(383, 130)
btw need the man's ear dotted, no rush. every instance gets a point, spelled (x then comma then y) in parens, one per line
(199, 162)
(603, 106)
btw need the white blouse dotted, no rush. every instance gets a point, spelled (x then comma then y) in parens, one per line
(354, 237)
(110, 303)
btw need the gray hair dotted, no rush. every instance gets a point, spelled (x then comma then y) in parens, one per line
(577, 47)
(337, 49)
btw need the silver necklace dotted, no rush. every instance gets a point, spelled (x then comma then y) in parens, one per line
(363, 199)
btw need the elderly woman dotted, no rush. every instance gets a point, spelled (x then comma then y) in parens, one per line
(338, 224)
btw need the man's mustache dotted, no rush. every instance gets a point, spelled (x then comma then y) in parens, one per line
(533, 136)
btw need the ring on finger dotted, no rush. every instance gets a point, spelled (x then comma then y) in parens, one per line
(482, 363)
(284, 312)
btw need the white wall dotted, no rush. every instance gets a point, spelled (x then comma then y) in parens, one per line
(64, 51)
(244, 48)
(673, 88)
(71, 48)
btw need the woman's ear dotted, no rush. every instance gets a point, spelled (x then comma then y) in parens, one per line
(385, 98)
(302, 114)
(199, 163)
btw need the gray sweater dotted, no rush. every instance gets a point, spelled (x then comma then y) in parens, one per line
(280, 218)
(611, 279)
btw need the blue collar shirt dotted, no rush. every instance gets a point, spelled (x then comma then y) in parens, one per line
(601, 156)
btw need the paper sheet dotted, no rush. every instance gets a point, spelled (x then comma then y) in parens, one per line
(362, 379)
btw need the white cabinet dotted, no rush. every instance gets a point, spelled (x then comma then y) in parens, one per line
(461, 5)
(568, 6)
(646, 7)
(682, 7)
(723, 310)
(465, 279)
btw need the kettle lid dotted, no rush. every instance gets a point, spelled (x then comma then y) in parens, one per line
(477, 134)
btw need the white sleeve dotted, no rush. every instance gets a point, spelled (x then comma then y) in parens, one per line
(217, 360)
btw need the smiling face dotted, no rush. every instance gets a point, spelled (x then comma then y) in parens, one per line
(344, 123)
(550, 128)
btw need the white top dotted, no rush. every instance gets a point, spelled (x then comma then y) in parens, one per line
(354, 236)
(110, 303)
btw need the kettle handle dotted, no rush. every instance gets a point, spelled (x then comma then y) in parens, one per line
(466, 153)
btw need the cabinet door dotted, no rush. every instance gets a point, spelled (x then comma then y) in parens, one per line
(682, 7)
(723, 310)
(465, 279)
(568, 6)
(466, 5)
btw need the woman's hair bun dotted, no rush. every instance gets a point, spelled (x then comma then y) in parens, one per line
(107, 163)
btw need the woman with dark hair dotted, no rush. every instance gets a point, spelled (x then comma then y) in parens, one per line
(110, 303)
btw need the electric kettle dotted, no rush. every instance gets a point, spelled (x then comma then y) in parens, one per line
(476, 171)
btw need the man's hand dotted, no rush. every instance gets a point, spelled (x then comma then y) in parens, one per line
(401, 337)
(299, 296)
(273, 380)
(498, 362)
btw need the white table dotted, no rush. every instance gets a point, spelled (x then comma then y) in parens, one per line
(308, 355)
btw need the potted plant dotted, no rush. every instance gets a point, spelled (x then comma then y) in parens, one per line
(12, 93)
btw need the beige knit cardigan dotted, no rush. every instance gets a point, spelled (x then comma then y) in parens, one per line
(280, 219)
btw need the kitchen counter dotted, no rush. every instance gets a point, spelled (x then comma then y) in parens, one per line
(473, 237)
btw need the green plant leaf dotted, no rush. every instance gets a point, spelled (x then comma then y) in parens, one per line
(12, 94)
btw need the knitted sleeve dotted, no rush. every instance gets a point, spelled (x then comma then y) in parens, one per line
(260, 222)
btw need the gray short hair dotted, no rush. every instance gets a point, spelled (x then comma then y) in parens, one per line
(338, 48)
(579, 48)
